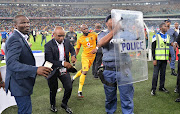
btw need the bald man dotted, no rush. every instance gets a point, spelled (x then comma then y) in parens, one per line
(88, 42)
(20, 65)
(57, 52)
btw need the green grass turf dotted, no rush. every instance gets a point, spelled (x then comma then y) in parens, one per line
(94, 97)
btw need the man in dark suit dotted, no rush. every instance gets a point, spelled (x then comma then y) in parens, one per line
(176, 27)
(33, 32)
(21, 70)
(57, 52)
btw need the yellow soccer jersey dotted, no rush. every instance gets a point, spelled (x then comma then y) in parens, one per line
(88, 43)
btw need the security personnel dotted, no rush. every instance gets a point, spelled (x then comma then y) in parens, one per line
(72, 36)
(127, 90)
(160, 52)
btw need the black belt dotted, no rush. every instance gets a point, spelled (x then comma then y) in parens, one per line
(110, 68)
(101, 76)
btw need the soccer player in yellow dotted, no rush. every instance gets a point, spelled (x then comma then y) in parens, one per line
(88, 42)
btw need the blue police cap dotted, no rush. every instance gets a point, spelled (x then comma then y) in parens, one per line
(168, 20)
(107, 18)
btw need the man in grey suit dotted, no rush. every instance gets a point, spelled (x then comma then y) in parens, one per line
(21, 70)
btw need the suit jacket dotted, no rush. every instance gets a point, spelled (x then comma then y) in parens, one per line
(20, 63)
(52, 54)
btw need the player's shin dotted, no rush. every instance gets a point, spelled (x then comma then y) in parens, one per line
(77, 75)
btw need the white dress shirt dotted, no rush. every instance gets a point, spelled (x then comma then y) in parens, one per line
(61, 55)
(24, 36)
(177, 30)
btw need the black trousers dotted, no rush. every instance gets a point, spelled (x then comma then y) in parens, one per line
(97, 62)
(178, 76)
(161, 66)
(53, 85)
(34, 37)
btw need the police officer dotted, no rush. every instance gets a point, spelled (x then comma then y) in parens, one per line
(72, 36)
(173, 35)
(127, 90)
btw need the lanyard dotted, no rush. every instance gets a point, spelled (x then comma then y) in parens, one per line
(62, 72)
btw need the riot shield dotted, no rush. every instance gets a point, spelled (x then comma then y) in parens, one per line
(129, 46)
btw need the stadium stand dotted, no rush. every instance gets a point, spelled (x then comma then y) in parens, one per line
(45, 14)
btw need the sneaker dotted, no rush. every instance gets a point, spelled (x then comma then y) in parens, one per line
(80, 95)
(153, 92)
(175, 90)
(163, 90)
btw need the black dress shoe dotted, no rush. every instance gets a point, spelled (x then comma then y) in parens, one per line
(96, 77)
(153, 92)
(53, 108)
(163, 90)
(66, 108)
(177, 100)
(175, 90)
(173, 72)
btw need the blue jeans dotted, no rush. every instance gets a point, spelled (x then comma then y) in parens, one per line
(173, 57)
(126, 95)
(24, 104)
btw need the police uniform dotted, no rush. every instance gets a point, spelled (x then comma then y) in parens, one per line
(173, 35)
(110, 75)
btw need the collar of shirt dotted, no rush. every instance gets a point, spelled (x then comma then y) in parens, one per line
(61, 51)
(177, 30)
(24, 36)
(163, 36)
(58, 44)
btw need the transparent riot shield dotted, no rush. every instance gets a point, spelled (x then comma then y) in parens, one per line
(130, 46)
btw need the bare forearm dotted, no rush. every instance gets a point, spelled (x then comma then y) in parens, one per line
(77, 51)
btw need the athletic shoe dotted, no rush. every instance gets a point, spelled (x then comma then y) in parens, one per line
(80, 95)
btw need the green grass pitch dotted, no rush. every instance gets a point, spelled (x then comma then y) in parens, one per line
(94, 97)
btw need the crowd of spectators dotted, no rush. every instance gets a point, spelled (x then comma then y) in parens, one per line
(49, 25)
(68, 11)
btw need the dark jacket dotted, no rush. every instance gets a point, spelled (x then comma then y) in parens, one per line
(52, 54)
(21, 69)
